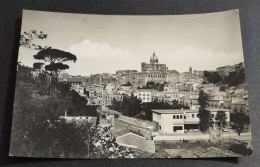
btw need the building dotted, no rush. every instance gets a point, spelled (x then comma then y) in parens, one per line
(172, 121)
(153, 65)
(172, 78)
(199, 74)
(101, 79)
(225, 70)
(187, 77)
(73, 80)
(140, 79)
(120, 73)
(146, 95)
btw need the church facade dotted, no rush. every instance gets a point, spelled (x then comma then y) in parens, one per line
(153, 65)
(153, 71)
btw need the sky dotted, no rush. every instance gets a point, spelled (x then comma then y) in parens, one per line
(107, 43)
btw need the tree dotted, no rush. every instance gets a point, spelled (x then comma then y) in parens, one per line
(203, 99)
(116, 105)
(38, 131)
(222, 88)
(206, 118)
(147, 107)
(212, 77)
(235, 78)
(131, 106)
(155, 86)
(221, 117)
(27, 38)
(56, 59)
(240, 120)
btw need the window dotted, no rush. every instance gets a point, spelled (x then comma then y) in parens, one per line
(174, 117)
(175, 128)
(178, 117)
(192, 115)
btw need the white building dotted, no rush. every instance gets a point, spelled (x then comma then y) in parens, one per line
(172, 121)
(146, 95)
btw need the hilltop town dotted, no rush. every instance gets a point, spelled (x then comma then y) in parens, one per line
(157, 112)
(156, 83)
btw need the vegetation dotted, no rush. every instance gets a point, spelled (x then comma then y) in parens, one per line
(240, 122)
(153, 85)
(38, 130)
(221, 117)
(129, 106)
(235, 78)
(27, 38)
(147, 107)
(206, 118)
(24, 74)
(241, 148)
(56, 59)
(212, 77)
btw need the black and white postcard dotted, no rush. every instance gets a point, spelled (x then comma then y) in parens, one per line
(130, 86)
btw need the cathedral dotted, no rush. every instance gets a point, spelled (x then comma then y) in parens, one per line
(153, 65)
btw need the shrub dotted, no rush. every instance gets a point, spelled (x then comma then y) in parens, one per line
(240, 148)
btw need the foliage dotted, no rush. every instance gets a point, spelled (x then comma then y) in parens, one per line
(153, 85)
(221, 117)
(206, 118)
(222, 88)
(116, 105)
(203, 99)
(37, 65)
(235, 78)
(24, 73)
(147, 107)
(212, 77)
(241, 148)
(27, 38)
(240, 121)
(129, 106)
(55, 58)
(38, 131)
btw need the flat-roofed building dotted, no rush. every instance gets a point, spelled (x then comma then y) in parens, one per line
(172, 121)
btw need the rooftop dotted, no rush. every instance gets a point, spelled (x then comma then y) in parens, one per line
(172, 111)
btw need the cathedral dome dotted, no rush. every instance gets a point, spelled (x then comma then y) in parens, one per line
(153, 59)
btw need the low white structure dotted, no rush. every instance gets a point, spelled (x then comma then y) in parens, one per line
(172, 121)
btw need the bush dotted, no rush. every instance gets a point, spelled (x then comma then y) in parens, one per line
(240, 148)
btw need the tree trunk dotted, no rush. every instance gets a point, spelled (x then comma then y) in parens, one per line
(222, 139)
